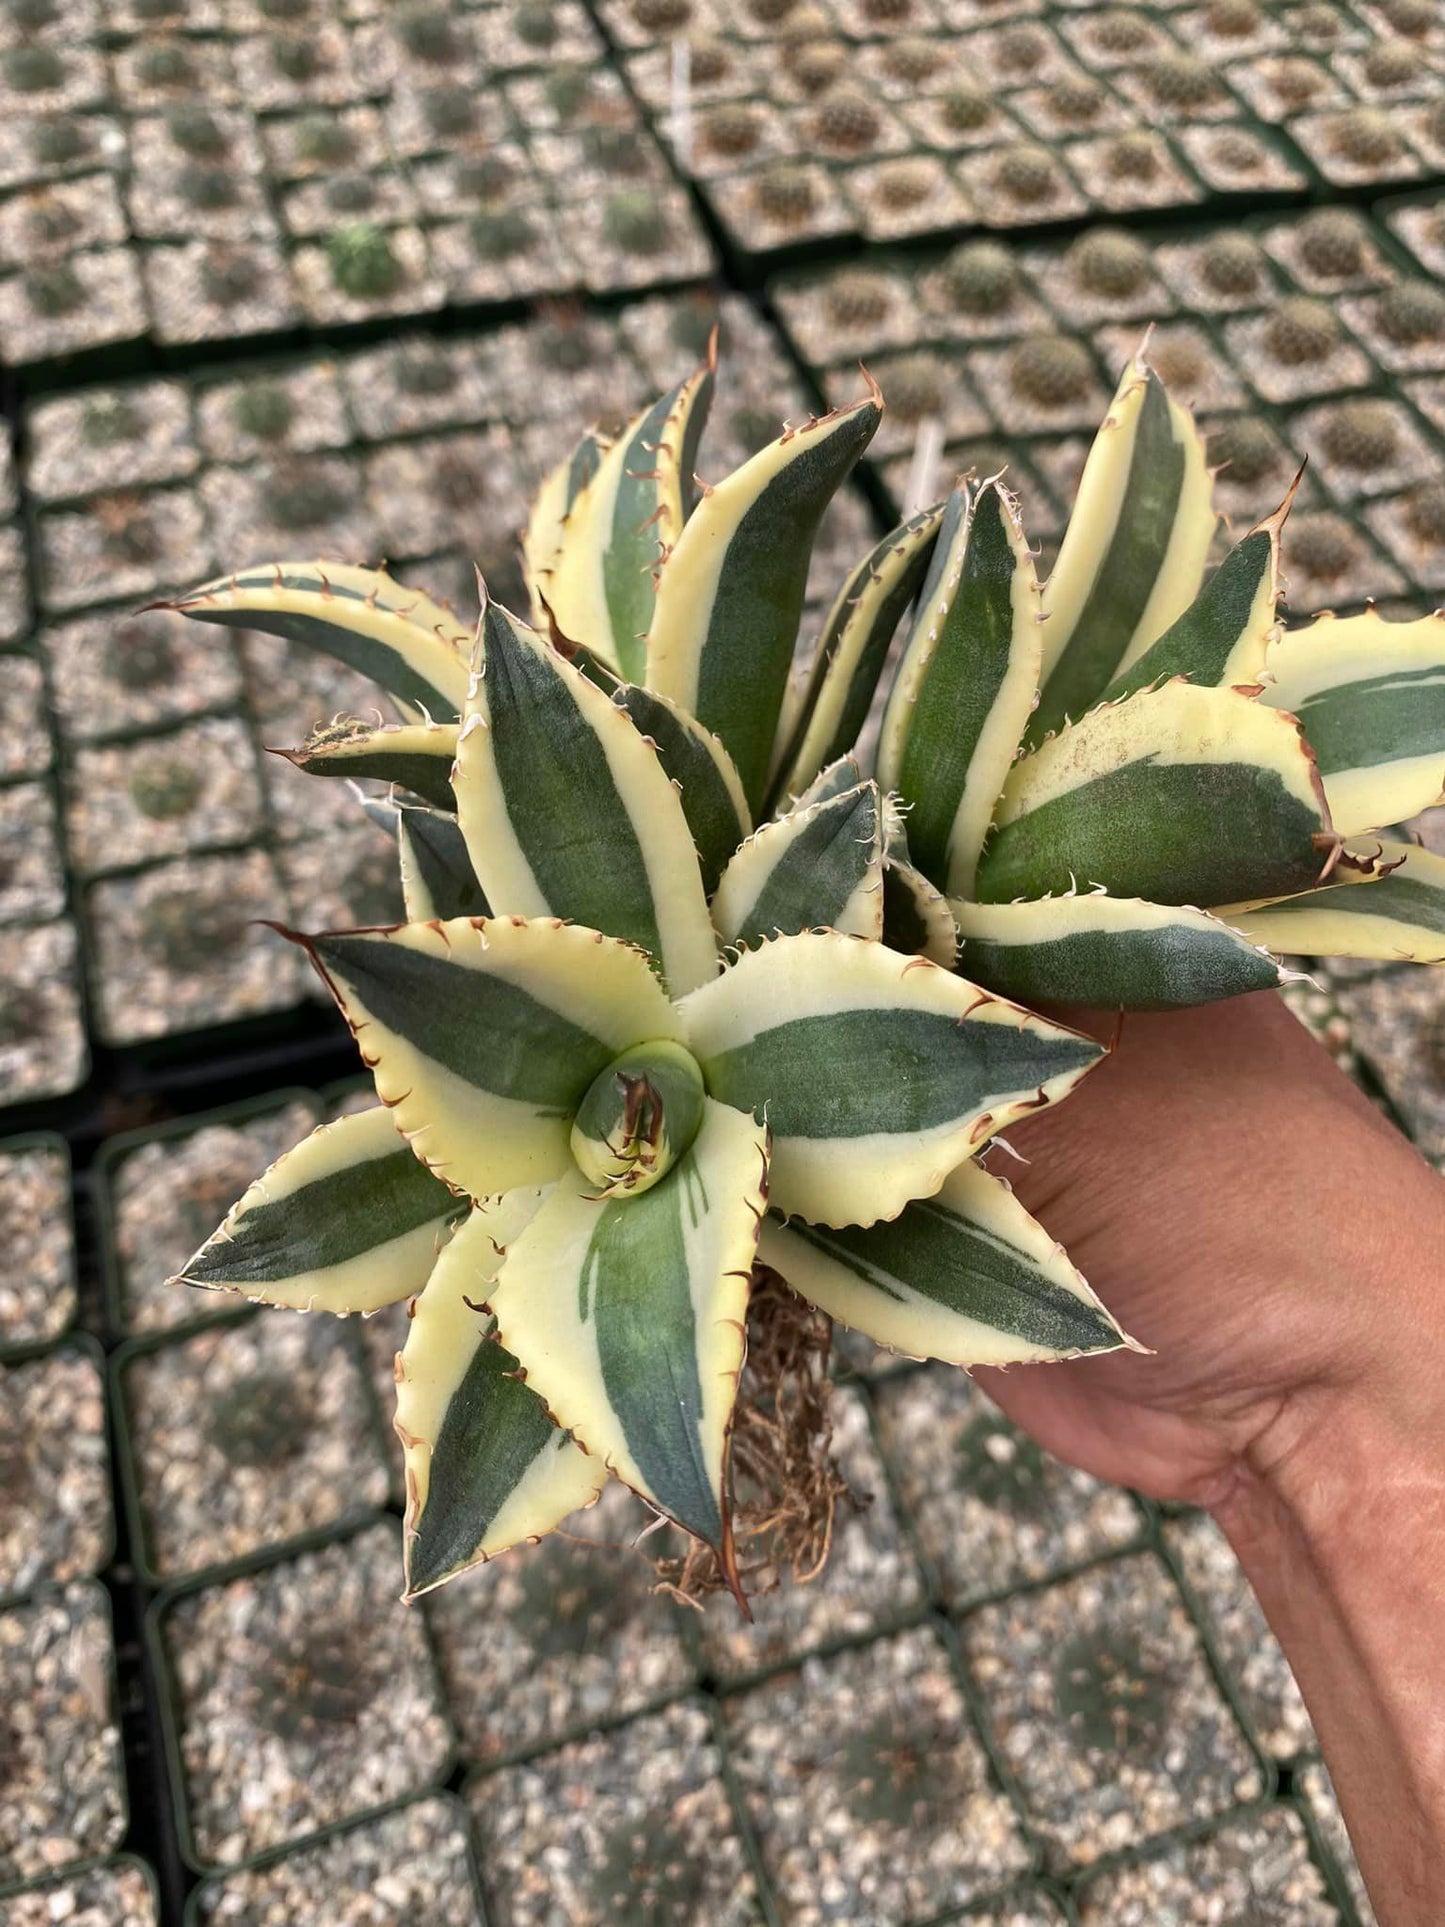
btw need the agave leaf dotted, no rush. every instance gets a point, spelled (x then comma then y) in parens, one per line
(1133, 556)
(819, 866)
(567, 810)
(1392, 910)
(916, 918)
(629, 1317)
(485, 1466)
(1370, 696)
(852, 650)
(484, 1036)
(1222, 638)
(877, 1073)
(966, 1276)
(1110, 952)
(1179, 795)
(707, 781)
(730, 595)
(412, 647)
(437, 879)
(416, 756)
(542, 537)
(347, 1220)
(600, 588)
(969, 678)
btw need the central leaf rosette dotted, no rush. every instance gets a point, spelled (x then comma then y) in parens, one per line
(638, 1117)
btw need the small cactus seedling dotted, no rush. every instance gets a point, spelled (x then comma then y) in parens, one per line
(302, 497)
(260, 1422)
(1301, 331)
(857, 298)
(108, 420)
(1077, 101)
(1117, 32)
(324, 140)
(662, 16)
(1391, 63)
(1180, 81)
(562, 342)
(1295, 82)
(965, 109)
(1051, 370)
(363, 263)
(887, 13)
(679, 992)
(1324, 548)
(1232, 264)
(1246, 448)
(449, 110)
(1111, 262)
(636, 222)
(535, 24)
(422, 370)
(229, 276)
(1412, 18)
(787, 194)
(295, 57)
(733, 129)
(196, 131)
(847, 121)
(1027, 175)
(568, 89)
(128, 529)
(1425, 514)
(917, 387)
(31, 15)
(34, 70)
(54, 142)
(262, 409)
(1110, 1697)
(910, 59)
(166, 64)
(163, 789)
(816, 64)
(904, 183)
(502, 234)
(54, 290)
(140, 654)
(1021, 50)
(981, 278)
(207, 186)
(1233, 19)
(1366, 137)
(186, 931)
(616, 148)
(1410, 313)
(429, 34)
(1363, 434)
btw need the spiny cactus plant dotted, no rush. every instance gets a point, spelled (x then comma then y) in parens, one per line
(684, 992)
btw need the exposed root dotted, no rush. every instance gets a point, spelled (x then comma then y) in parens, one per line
(786, 1484)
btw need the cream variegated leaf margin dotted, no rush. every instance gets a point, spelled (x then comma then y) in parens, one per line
(707, 782)
(345, 1221)
(1224, 636)
(848, 661)
(567, 810)
(820, 866)
(1090, 949)
(1133, 555)
(484, 1036)
(1370, 697)
(1178, 795)
(876, 1073)
(968, 681)
(414, 648)
(1391, 910)
(415, 756)
(599, 588)
(437, 880)
(485, 1466)
(542, 537)
(628, 1317)
(731, 593)
(966, 1276)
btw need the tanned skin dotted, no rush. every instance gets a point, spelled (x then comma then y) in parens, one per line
(1248, 1215)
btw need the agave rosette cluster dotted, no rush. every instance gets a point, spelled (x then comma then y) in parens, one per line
(681, 988)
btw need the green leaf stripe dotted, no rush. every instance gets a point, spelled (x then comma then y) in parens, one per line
(933, 1253)
(436, 871)
(1128, 570)
(482, 1028)
(563, 805)
(1128, 956)
(1377, 719)
(820, 866)
(634, 1290)
(371, 757)
(858, 1073)
(1173, 833)
(853, 648)
(712, 803)
(1202, 641)
(492, 1436)
(341, 1216)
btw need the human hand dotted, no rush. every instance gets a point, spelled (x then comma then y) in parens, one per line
(1250, 1217)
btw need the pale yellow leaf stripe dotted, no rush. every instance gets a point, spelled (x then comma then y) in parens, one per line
(997, 1288)
(877, 1073)
(1370, 697)
(484, 1035)
(446, 1332)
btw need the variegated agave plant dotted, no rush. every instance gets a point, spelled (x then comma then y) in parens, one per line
(679, 989)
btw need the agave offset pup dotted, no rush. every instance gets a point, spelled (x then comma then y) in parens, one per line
(684, 993)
